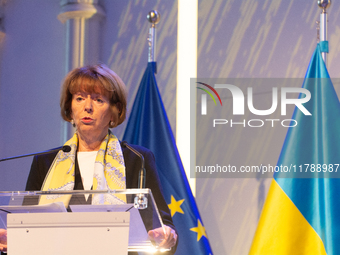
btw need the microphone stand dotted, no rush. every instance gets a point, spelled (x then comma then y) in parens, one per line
(65, 148)
(140, 201)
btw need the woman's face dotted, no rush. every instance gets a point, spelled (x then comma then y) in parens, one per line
(91, 114)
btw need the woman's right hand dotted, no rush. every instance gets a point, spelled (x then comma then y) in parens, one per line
(3, 239)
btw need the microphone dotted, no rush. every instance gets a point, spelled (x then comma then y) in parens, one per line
(141, 178)
(65, 148)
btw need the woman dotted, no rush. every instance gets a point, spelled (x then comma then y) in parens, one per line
(93, 99)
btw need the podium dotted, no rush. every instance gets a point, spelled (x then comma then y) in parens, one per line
(82, 227)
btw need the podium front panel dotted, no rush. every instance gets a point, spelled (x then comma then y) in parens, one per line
(68, 233)
(48, 215)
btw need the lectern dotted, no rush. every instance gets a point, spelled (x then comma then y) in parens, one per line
(82, 227)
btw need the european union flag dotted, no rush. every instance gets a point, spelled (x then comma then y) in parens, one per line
(301, 215)
(148, 126)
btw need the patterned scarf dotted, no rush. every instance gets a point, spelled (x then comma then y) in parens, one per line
(109, 173)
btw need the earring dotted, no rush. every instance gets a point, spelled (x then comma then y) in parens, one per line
(72, 122)
(112, 123)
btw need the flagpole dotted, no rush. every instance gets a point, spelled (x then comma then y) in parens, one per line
(323, 4)
(153, 17)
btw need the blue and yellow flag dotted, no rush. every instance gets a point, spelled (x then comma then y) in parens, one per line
(301, 215)
(148, 126)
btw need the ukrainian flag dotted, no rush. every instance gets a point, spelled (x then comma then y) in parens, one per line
(302, 215)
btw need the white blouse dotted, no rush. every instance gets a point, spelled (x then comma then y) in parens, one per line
(86, 160)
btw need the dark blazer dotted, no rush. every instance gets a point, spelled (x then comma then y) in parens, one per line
(42, 163)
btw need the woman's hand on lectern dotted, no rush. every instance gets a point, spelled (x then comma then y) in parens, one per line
(165, 239)
(3, 239)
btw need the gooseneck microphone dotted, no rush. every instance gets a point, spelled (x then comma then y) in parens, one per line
(65, 148)
(141, 178)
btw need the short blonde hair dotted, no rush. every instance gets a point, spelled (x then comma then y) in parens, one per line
(95, 79)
